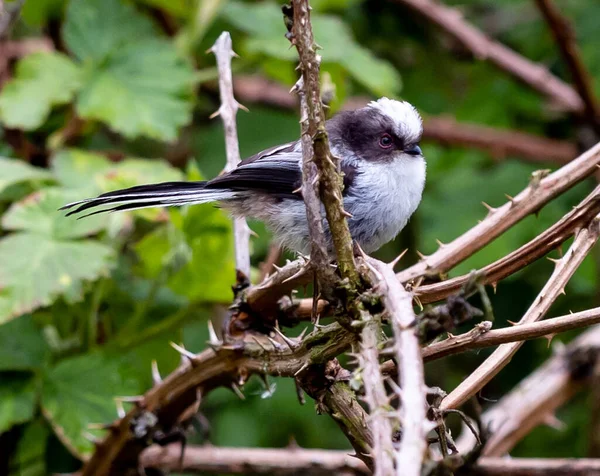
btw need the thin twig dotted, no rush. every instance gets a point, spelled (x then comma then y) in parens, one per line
(376, 397)
(488, 466)
(533, 74)
(498, 142)
(321, 176)
(568, 264)
(540, 191)
(541, 245)
(270, 262)
(398, 304)
(476, 339)
(281, 461)
(564, 36)
(223, 51)
(535, 400)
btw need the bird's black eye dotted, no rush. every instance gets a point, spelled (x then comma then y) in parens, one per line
(386, 141)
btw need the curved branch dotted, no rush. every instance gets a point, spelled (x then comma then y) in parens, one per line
(202, 372)
(542, 188)
(565, 267)
(533, 74)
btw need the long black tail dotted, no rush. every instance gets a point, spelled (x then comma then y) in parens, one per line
(165, 194)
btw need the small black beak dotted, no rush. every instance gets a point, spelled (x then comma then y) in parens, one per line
(414, 150)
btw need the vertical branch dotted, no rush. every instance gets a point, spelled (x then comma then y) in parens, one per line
(565, 38)
(223, 51)
(565, 267)
(320, 170)
(376, 398)
(398, 304)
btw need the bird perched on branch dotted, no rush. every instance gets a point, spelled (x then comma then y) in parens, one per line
(381, 161)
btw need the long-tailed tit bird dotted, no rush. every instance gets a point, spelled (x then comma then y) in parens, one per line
(380, 157)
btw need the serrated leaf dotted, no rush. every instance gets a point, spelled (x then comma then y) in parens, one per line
(27, 352)
(205, 232)
(141, 89)
(80, 391)
(95, 28)
(38, 213)
(17, 399)
(36, 269)
(262, 22)
(14, 171)
(76, 168)
(42, 80)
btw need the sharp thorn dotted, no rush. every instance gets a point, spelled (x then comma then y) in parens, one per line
(243, 108)
(92, 438)
(420, 255)
(215, 114)
(213, 338)
(156, 378)
(120, 409)
(237, 391)
(290, 343)
(130, 399)
(489, 207)
(182, 351)
(301, 369)
(397, 259)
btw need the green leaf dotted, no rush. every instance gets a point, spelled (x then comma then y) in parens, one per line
(22, 346)
(79, 169)
(80, 391)
(42, 80)
(17, 399)
(204, 234)
(95, 28)
(36, 269)
(178, 8)
(29, 458)
(141, 89)
(38, 213)
(262, 21)
(16, 171)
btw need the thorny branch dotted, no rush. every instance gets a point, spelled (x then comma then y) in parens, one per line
(376, 396)
(534, 400)
(223, 51)
(584, 241)
(398, 305)
(542, 188)
(268, 461)
(320, 170)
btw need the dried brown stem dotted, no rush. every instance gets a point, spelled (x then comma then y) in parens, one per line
(376, 397)
(221, 365)
(398, 305)
(267, 266)
(442, 129)
(541, 245)
(535, 467)
(479, 338)
(584, 241)
(320, 169)
(534, 401)
(223, 51)
(564, 35)
(498, 142)
(540, 191)
(533, 74)
(280, 461)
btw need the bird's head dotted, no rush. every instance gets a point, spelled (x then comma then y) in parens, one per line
(382, 131)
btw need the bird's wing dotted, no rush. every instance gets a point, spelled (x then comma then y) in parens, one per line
(275, 171)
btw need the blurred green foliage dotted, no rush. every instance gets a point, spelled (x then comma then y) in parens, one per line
(85, 306)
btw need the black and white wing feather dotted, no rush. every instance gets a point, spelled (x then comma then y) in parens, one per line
(275, 171)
